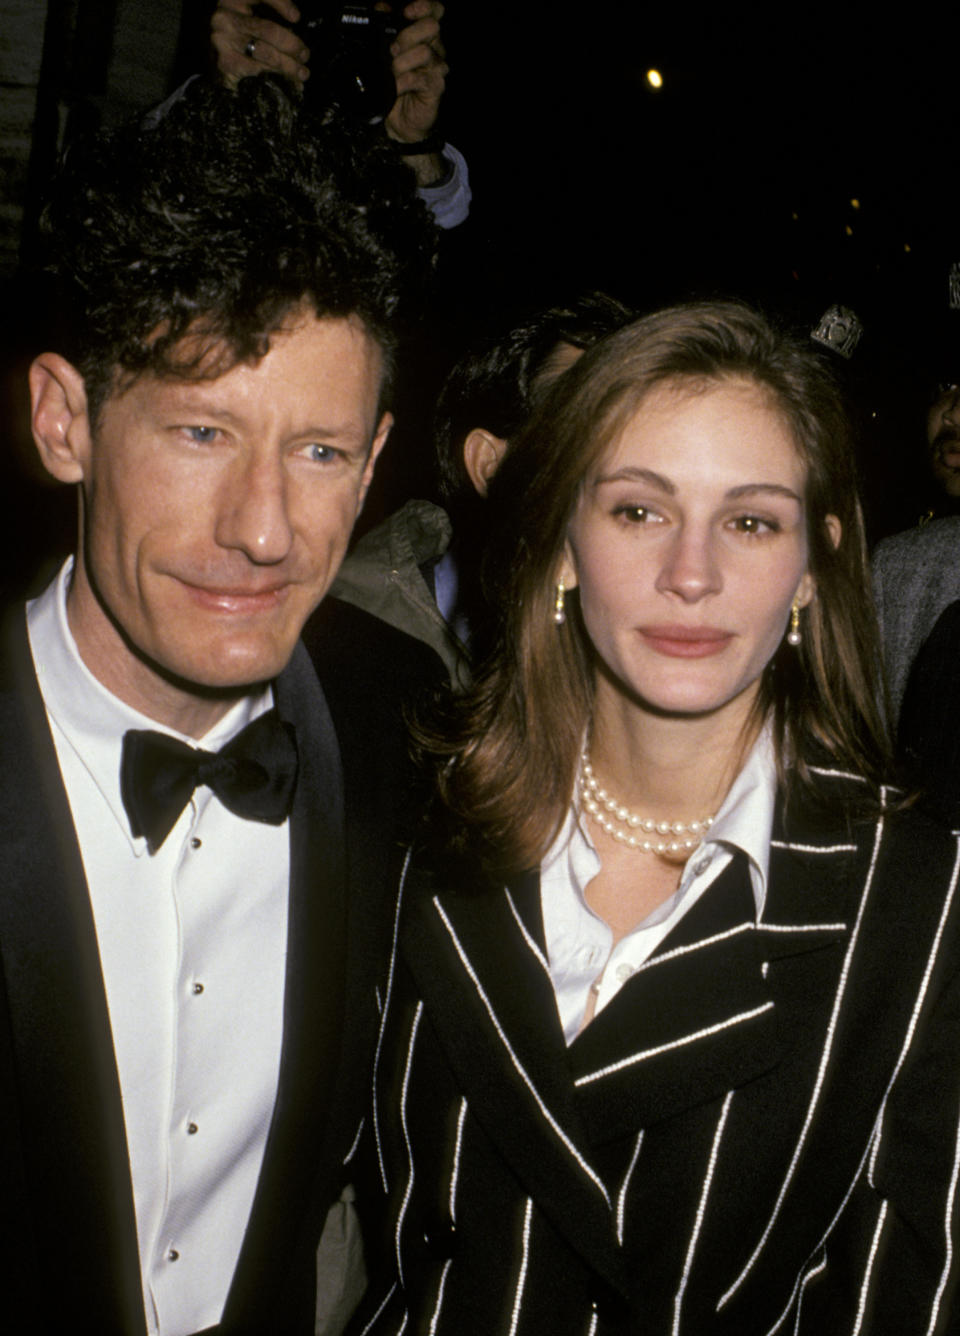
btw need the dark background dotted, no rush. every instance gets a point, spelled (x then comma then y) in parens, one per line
(798, 157)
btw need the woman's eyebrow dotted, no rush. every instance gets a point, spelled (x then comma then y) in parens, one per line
(630, 473)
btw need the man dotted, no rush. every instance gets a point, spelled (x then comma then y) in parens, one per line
(247, 42)
(185, 934)
(419, 571)
(943, 439)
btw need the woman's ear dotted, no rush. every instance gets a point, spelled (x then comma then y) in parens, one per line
(568, 568)
(834, 528)
(805, 590)
(61, 423)
(482, 453)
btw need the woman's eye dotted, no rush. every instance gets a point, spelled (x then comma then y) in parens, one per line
(635, 514)
(753, 524)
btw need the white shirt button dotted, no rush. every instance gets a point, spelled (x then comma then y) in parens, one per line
(625, 972)
(700, 867)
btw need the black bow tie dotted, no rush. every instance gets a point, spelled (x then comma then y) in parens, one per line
(253, 775)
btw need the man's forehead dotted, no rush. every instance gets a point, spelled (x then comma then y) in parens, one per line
(202, 357)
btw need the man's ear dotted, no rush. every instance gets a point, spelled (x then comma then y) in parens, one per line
(61, 424)
(482, 453)
(379, 441)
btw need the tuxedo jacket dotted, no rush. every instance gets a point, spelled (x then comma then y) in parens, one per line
(69, 1256)
(758, 1133)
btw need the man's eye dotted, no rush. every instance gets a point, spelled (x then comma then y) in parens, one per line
(319, 453)
(202, 435)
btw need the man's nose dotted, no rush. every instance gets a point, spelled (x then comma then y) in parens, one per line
(254, 515)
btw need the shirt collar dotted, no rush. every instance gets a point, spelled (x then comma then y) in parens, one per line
(92, 719)
(745, 820)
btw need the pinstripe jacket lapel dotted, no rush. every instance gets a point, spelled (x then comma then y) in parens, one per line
(484, 979)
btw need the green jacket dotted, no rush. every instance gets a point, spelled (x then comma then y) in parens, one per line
(382, 575)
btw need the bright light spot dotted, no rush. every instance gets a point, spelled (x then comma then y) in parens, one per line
(654, 78)
(906, 247)
(854, 204)
(849, 230)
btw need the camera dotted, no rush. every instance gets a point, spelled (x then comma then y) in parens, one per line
(350, 62)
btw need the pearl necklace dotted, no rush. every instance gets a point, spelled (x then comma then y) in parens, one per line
(624, 825)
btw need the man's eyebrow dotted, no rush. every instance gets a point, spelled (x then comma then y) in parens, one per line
(193, 402)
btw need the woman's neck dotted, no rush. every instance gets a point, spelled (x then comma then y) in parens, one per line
(668, 767)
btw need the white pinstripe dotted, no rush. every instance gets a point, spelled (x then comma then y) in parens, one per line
(801, 1280)
(383, 1019)
(695, 946)
(804, 927)
(522, 1278)
(356, 1142)
(868, 1272)
(814, 1271)
(917, 1006)
(455, 1174)
(376, 1316)
(531, 942)
(676, 1043)
(814, 848)
(948, 1237)
(436, 1312)
(408, 1190)
(821, 1072)
(593, 1324)
(622, 1195)
(517, 1065)
(701, 1211)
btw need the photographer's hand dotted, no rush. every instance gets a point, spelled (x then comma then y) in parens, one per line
(420, 70)
(247, 45)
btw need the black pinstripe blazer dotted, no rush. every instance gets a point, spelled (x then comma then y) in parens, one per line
(758, 1134)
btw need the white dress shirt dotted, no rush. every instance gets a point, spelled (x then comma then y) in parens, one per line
(192, 944)
(580, 948)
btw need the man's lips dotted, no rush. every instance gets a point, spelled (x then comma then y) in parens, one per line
(686, 642)
(947, 450)
(236, 598)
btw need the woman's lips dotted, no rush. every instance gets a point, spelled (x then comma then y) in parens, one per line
(686, 642)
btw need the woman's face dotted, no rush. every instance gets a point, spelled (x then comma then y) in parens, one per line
(689, 546)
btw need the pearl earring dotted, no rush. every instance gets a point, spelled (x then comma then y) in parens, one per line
(559, 615)
(793, 635)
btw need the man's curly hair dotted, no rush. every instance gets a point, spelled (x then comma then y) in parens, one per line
(215, 219)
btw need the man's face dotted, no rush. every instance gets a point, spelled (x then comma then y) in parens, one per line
(943, 438)
(216, 514)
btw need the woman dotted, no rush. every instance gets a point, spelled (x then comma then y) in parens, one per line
(697, 1071)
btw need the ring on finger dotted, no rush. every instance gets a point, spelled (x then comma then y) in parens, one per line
(250, 47)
